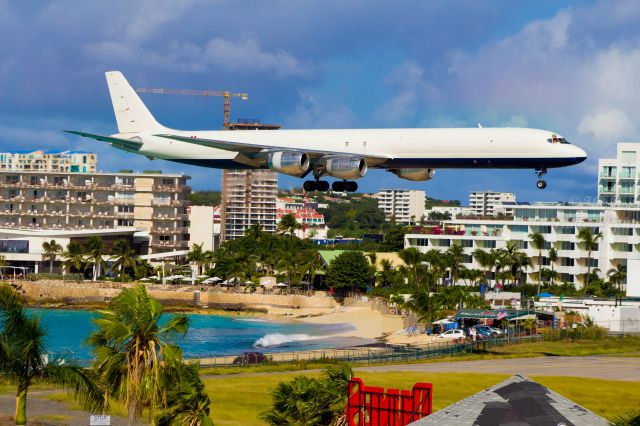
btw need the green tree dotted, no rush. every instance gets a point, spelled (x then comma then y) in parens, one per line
(95, 250)
(453, 259)
(350, 270)
(24, 360)
(197, 256)
(394, 238)
(51, 251)
(486, 261)
(187, 403)
(310, 402)
(427, 306)
(538, 243)
(288, 225)
(617, 275)
(590, 240)
(135, 354)
(124, 257)
(74, 258)
(553, 258)
(413, 259)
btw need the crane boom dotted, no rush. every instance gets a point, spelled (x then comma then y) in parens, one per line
(224, 93)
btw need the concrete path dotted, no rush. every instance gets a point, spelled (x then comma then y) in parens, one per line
(42, 411)
(600, 367)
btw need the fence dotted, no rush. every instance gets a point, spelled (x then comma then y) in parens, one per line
(372, 406)
(378, 353)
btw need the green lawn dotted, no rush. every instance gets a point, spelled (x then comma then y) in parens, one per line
(238, 400)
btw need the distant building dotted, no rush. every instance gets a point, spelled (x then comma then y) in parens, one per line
(618, 177)
(248, 198)
(560, 224)
(296, 203)
(203, 227)
(484, 203)
(453, 211)
(23, 252)
(49, 161)
(153, 202)
(312, 222)
(248, 195)
(404, 206)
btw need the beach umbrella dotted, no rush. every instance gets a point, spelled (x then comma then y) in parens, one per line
(187, 279)
(202, 276)
(145, 279)
(281, 285)
(216, 279)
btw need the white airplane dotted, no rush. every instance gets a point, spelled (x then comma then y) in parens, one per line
(411, 154)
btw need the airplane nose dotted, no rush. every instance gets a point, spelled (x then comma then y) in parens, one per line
(579, 153)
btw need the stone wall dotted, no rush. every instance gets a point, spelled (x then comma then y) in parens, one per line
(89, 292)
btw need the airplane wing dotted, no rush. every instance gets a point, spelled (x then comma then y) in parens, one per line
(255, 150)
(126, 144)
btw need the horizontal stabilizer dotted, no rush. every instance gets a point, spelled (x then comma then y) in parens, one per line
(127, 144)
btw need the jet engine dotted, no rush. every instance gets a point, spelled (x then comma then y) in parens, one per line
(289, 162)
(414, 174)
(346, 167)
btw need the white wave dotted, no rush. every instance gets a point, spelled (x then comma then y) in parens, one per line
(251, 320)
(277, 339)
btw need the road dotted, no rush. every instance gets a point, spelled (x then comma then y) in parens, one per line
(600, 367)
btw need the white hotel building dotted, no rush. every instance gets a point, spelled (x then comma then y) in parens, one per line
(404, 206)
(560, 224)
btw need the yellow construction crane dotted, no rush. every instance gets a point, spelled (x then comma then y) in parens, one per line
(225, 94)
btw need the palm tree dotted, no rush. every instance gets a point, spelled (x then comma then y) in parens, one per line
(197, 256)
(428, 307)
(386, 270)
(453, 256)
(617, 275)
(51, 250)
(288, 225)
(590, 240)
(24, 360)
(96, 250)
(436, 261)
(188, 404)
(373, 259)
(485, 260)
(73, 257)
(124, 256)
(413, 259)
(553, 257)
(538, 242)
(136, 357)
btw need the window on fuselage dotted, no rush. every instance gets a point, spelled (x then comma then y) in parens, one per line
(555, 139)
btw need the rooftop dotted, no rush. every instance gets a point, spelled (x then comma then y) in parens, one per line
(515, 401)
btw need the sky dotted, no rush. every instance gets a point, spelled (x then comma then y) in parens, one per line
(570, 67)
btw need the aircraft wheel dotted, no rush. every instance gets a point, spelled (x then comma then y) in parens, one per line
(350, 186)
(310, 185)
(541, 184)
(322, 185)
(338, 186)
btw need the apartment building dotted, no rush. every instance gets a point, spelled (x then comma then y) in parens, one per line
(204, 226)
(560, 224)
(404, 206)
(618, 177)
(49, 161)
(485, 203)
(153, 202)
(248, 198)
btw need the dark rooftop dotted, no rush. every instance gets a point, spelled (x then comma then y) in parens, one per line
(517, 401)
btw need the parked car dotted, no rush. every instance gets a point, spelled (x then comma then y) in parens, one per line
(498, 331)
(250, 358)
(452, 334)
(486, 330)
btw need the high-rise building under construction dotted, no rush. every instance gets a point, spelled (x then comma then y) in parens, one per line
(248, 196)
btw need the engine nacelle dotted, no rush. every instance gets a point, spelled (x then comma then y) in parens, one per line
(414, 174)
(289, 162)
(346, 167)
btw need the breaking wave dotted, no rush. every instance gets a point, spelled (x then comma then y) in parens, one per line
(277, 339)
(251, 320)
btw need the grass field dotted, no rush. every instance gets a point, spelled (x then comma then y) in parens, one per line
(238, 400)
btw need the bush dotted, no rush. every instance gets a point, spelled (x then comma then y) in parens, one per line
(48, 276)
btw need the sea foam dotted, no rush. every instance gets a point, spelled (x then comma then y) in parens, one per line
(277, 339)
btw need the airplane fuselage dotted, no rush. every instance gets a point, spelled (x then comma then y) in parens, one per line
(509, 148)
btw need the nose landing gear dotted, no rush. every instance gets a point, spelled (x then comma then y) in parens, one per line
(541, 184)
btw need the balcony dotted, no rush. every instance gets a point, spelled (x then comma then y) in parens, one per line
(607, 190)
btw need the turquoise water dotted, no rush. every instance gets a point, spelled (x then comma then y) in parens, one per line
(208, 335)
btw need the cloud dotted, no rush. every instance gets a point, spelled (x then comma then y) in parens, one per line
(316, 111)
(607, 125)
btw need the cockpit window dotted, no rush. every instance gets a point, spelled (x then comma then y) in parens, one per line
(556, 139)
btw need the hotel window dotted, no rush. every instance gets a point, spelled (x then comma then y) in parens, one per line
(466, 243)
(567, 245)
(566, 230)
(628, 157)
(519, 228)
(567, 261)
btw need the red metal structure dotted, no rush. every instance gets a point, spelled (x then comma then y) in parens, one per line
(371, 406)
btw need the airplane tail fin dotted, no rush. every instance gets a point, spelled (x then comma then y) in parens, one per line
(132, 115)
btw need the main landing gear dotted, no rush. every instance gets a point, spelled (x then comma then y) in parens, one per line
(541, 184)
(323, 185)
